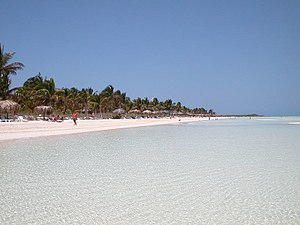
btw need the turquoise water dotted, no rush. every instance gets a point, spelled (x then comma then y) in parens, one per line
(235, 171)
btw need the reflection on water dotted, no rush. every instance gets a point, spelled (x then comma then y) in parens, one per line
(212, 172)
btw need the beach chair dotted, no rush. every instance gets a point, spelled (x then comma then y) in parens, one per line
(21, 119)
(5, 119)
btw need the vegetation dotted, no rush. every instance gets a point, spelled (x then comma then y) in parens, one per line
(39, 90)
(7, 69)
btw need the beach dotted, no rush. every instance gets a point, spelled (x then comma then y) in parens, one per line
(20, 130)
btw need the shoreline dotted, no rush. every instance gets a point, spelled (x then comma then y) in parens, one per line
(10, 131)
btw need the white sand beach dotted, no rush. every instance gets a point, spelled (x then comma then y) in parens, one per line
(20, 130)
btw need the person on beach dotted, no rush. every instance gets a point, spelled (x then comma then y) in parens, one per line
(75, 118)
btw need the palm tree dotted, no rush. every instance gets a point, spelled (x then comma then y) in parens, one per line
(45, 92)
(26, 95)
(73, 99)
(168, 104)
(63, 100)
(145, 104)
(211, 112)
(124, 101)
(86, 96)
(109, 99)
(41, 90)
(38, 91)
(4, 86)
(178, 107)
(59, 100)
(106, 96)
(137, 103)
(6, 69)
(95, 102)
(154, 104)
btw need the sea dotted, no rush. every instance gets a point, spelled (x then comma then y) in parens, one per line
(226, 171)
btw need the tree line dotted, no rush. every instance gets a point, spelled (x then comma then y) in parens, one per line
(39, 90)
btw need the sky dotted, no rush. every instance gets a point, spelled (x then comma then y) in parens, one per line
(235, 57)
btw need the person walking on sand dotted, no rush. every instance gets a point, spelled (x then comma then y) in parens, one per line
(75, 118)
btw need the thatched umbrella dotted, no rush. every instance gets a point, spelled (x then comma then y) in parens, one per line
(134, 111)
(147, 111)
(119, 111)
(44, 109)
(8, 106)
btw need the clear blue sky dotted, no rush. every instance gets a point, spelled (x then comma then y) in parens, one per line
(231, 56)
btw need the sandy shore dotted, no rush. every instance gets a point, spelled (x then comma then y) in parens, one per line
(20, 130)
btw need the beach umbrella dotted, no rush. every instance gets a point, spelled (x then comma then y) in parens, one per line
(119, 111)
(44, 109)
(135, 111)
(165, 111)
(147, 111)
(8, 106)
(86, 110)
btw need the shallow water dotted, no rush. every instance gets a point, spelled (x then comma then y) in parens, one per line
(237, 171)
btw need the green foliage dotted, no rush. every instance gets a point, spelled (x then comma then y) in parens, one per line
(42, 91)
(38, 91)
(6, 69)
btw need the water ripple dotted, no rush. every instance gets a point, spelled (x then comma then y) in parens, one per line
(188, 174)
